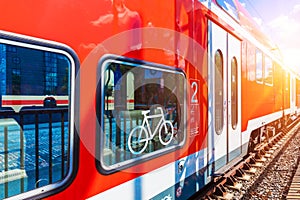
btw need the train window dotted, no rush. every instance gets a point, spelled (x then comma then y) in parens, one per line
(293, 89)
(218, 100)
(142, 112)
(251, 62)
(287, 81)
(298, 92)
(229, 7)
(268, 75)
(234, 93)
(36, 136)
(259, 66)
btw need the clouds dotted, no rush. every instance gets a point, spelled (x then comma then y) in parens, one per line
(286, 28)
(258, 21)
(296, 11)
(280, 20)
(285, 31)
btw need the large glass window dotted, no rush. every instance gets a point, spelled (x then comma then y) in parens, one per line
(268, 71)
(142, 111)
(219, 96)
(35, 131)
(234, 93)
(259, 66)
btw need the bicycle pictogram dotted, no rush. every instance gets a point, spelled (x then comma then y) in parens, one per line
(140, 136)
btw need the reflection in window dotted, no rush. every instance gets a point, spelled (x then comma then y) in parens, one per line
(50, 72)
(287, 81)
(2, 68)
(218, 103)
(268, 71)
(143, 112)
(34, 136)
(234, 93)
(298, 92)
(229, 7)
(259, 66)
(16, 81)
(293, 89)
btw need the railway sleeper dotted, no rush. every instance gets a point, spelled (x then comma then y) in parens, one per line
(262, 152)
(259, 157)
(232, 183)
(284, 130)
(254, 163)
(267, 147)
(248, 169)
(268, 155)
(221, 193)
(279, 136)
(241, 175)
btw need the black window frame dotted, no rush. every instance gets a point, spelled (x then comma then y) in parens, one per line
(52, 46)
(99, 113)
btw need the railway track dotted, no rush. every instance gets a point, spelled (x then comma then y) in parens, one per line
(258, 173)
(275, 180)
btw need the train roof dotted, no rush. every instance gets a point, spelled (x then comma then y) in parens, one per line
(248, 23)
(238, 12)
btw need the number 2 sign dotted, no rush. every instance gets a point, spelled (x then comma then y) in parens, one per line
(194, 107)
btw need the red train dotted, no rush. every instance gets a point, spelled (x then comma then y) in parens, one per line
(136, 99)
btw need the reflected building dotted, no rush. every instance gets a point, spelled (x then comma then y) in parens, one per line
(32, 72)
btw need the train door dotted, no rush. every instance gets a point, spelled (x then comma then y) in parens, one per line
(234, 97)
(224, 139)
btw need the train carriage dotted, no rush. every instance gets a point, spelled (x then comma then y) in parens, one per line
(133, 99)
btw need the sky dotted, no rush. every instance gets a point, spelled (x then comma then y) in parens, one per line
(280, 19)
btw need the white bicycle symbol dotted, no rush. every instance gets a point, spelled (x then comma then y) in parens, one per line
(137, 145)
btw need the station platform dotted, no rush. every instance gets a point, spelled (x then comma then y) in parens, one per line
(294, 191)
